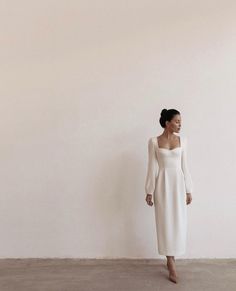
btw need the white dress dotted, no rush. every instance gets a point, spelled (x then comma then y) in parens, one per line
(169, 186)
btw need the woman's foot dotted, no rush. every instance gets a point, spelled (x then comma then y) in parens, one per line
(172, 270)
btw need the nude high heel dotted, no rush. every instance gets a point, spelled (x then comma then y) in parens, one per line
(172, 277)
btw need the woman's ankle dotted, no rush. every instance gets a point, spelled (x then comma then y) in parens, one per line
(170, 258)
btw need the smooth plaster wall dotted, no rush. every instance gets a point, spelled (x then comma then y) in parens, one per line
(82, 86)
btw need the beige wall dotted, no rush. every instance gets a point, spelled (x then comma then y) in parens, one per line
(82, 86)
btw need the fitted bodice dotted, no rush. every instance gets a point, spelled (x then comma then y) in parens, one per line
(168, 158)
(168, 162)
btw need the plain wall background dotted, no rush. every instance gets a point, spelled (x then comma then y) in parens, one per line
(82, 87)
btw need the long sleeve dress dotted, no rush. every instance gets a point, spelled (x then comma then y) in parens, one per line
(168, 180)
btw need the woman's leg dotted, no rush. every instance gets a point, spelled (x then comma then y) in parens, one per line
(169, 258)
(171, 268)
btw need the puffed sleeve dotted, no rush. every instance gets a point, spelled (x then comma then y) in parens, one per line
(185, 168)
(151, 169)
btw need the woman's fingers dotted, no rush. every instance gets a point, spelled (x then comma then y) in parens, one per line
(188, 199)
(149, 200)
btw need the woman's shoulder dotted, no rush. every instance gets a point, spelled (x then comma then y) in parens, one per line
(184, 140)
(152, 139)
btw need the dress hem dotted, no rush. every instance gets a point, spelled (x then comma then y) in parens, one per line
(171, 253)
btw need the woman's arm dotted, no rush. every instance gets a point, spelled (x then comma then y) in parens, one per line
(185, 169)
(151, 169)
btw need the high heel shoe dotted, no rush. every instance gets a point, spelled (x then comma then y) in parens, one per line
(172, 277)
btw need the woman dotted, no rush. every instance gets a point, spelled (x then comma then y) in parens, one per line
(171, 187)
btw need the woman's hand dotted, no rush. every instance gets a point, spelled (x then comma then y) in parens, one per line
(149, 199)
(188, 198)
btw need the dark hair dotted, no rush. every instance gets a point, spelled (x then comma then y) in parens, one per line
(167, 115)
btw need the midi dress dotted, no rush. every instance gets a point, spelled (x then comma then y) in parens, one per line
(168, 179)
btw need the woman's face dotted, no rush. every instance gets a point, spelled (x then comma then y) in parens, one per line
(175, 123)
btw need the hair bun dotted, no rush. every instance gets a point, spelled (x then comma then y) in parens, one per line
(163, 112)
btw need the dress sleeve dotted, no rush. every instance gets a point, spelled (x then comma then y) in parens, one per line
(151, 169)
(185, 168)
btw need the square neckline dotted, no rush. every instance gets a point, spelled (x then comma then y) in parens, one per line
(180, 143)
